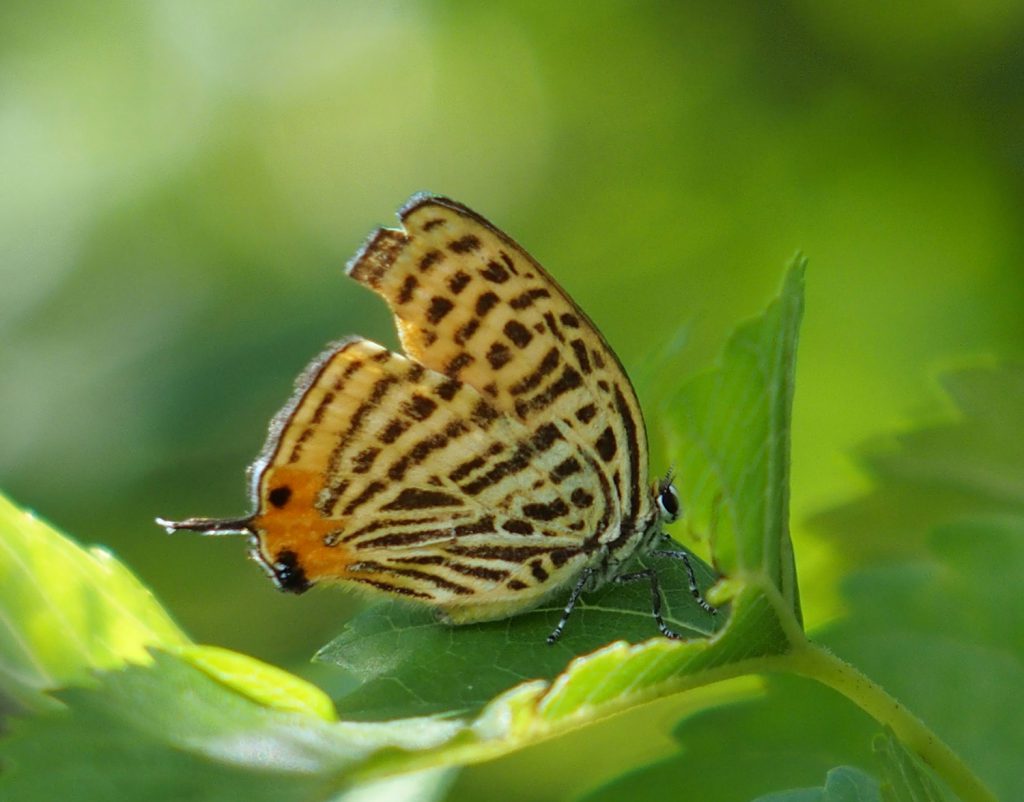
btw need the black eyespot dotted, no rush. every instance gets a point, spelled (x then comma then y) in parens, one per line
(288, 573)
(668, 500)
(279, 496)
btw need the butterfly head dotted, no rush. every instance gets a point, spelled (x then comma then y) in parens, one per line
(668, 500)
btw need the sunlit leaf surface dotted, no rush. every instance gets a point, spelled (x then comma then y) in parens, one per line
(66, 610)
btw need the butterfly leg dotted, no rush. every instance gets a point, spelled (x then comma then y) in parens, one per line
(651, 576)
(581, 583)
(678, 554)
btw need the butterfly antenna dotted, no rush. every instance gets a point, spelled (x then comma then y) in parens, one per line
(209, 526)
(664, 483)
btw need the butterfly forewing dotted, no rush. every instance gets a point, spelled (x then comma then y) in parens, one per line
(472, 304)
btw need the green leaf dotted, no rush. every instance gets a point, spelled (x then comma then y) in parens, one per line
(788, 738)
(843, 784)
(261, 682)
(411, 665)
(944, 632)
(611, 679)
(408, 664)
(171, 731)
(168, 731)
(968, 464)
(429, 785)
(940, 623)
(67, 610)
(944, 636)
(906, 778)
(730, 433)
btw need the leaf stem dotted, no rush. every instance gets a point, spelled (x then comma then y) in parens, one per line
(815, 662)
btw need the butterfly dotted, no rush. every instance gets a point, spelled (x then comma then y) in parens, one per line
(497, 462)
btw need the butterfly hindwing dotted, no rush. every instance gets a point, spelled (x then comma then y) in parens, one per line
(389, 474)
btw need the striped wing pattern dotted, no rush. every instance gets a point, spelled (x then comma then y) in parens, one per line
(499, 458)
(430, 493)
(474, 305)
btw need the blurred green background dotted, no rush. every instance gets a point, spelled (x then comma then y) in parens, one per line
(183, 181)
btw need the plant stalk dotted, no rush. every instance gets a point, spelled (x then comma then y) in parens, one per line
(815, 662)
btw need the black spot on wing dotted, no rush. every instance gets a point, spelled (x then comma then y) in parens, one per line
(565, 468)
(408, 287)
(495, 273)
(546, 436)
(498, 355)
(581, 355)
(288, 573)
(586, 413)
(279, 496)
(486, 302)
(457, 283)
(467, 330)
(581, 498)
(517, 526)
(518, 333)
(393, 431)
(458, 363)
(447, 389)
(466, 244)
(546, 512)
(363, 461)
(526, 299)
(439, 308)
(429, 259)
(606, 445)
(419, 407)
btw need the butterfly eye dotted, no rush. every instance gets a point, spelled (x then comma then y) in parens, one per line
(668, 503)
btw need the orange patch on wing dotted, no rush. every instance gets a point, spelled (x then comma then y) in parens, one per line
(297, 526)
